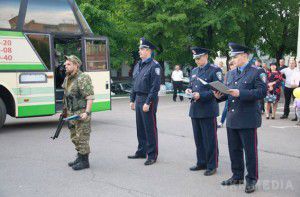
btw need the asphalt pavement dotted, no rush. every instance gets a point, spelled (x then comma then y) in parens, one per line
(33, 165)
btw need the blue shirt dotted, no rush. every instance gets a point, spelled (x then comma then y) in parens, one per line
(243, 67)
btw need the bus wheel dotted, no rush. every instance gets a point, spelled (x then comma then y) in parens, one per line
(2, 113)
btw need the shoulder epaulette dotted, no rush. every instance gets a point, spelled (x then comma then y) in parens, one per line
(156, 62)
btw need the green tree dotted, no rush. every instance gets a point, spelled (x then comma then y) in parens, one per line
(176, 25)
(106, 18)
(278, 23)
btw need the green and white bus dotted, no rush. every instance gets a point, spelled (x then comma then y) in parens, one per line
(34, 37)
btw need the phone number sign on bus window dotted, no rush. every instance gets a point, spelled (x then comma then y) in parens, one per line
(6, 50)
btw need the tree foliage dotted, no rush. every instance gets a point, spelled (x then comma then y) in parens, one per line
(176, 25)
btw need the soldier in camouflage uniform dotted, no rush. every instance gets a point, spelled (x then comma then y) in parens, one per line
(78, 99)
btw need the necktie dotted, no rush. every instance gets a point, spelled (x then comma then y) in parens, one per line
(239, 71)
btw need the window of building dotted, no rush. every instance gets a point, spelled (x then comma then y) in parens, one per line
(96, 55)
(41, 44)
(9, 12)
(50, 16)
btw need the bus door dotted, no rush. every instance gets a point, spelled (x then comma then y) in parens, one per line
(35, 78)
(96, 64)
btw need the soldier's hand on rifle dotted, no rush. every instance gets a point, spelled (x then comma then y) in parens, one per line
(83, 116)
(64, 113)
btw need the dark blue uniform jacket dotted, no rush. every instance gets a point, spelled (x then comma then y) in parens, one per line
(207, 106)
(243, 111)
(146, 80)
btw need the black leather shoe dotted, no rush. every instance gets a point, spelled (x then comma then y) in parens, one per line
(250, 187)
(232, 181)
(136, 156)
(284, 117)
(150, 162)
(196, 168)
(294, 119)
(210, 172)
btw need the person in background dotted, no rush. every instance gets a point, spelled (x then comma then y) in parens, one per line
(297, 109)
(258, 64)
(289, 87)
(223, 68)
(295, 82)
(281, 67)
(274, 79)
(177, 79)
(224, 113)
(265, 67)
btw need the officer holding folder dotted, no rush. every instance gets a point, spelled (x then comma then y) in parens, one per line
(247, 86)
(203, 111)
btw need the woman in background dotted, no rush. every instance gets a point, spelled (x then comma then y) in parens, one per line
(274, 89)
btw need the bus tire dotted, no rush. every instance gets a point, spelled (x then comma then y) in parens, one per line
(2, 113)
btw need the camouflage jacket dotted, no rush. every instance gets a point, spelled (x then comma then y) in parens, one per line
(78, 89)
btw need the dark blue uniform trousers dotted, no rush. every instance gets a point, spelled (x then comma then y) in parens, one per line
(205, 135)
(239, 139)
(146, 128)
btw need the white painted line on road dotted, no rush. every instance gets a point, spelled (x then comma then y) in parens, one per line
(122, 97)
(119, 97)
(284, 127)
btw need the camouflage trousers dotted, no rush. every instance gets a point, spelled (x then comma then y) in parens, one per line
(80, 131)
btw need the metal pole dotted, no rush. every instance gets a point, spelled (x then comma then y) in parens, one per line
(298, 46)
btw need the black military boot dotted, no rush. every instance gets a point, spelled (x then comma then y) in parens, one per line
(72, 163)
(83, 162)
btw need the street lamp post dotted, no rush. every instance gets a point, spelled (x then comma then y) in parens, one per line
(298, 46)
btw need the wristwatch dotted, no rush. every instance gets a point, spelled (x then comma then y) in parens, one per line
(88, 113)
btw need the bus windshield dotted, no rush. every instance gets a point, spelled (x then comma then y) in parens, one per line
(9, 11)
(50, 16)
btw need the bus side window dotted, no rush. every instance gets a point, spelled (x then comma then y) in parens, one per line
(96, 55)
(41, 44)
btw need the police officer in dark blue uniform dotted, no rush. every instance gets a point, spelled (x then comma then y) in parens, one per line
(247, 86)
(203, 111)
(144, 100)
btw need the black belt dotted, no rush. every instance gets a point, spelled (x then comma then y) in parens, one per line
(141, 94)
